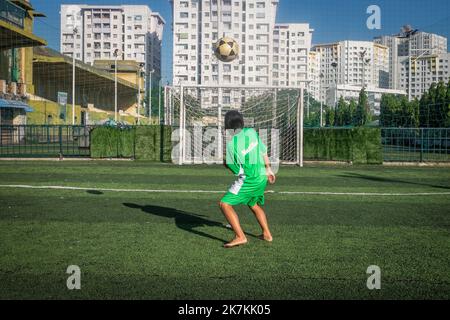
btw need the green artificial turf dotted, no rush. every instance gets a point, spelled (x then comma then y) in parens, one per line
(147, 245)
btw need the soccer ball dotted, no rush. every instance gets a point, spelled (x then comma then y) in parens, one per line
(226, 49)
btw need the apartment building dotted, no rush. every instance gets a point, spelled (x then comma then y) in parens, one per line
(425, 70)
(134, 30)
(351, 92)
(314, 75)
(354, 63)
(198, 24)
(406, 43)
(291, 48)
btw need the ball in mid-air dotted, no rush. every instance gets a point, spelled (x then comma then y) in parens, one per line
(226, 49)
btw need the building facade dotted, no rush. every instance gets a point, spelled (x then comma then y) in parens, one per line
(422, 72)
(291, 48)
(405, 44)
(351, 92)
(354, 63)
(135, 32)
(16, 64)
(314, 75)
(198, 24)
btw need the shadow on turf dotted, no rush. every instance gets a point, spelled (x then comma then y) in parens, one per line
(388, 180)
(186, 221)
(95, 192)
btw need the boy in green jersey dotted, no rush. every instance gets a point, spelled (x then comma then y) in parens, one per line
(246, 157)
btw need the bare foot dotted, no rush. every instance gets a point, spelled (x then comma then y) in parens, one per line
(235, 243)
(266, 237)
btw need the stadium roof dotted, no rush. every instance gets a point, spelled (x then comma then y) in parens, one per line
(58, 66)
(52, 73)
(15, 37)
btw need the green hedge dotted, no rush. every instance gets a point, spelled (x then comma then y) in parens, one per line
(358, 145)
(108, 142)
(153, 143)
(144, 143)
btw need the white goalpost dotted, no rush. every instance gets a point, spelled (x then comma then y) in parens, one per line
(196, 113)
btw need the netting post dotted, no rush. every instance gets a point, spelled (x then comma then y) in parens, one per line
(182, 123)
(219, 127)
(171, 107)
(165, 104)
(300, 116)
(274, 108)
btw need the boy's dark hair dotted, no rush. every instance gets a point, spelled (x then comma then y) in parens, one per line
(234, 120)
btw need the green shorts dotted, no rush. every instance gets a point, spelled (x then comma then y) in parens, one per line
(249, 193)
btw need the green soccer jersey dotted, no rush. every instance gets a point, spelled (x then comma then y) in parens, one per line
(245, 158)
(245, 155)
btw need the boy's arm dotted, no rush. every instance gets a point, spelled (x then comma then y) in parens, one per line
(270, 175)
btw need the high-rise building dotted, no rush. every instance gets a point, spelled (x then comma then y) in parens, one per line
(425, 70)
(314, 75)
(291, 47)
(135, 32)
(407, 43)
(354, 63)
(197, 25)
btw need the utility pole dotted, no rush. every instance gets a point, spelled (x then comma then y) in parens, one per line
(150, 98)
(159, 101)
(116, 55)
(140, 73)
(320, 97)
(334, 65)
(75, 32)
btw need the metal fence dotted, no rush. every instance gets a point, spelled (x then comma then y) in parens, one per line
(416, 144)
(44, 141)
(399, 144)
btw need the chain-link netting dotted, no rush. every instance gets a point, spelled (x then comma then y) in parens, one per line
(199, 113)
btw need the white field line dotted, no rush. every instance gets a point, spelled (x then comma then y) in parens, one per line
(317, 193)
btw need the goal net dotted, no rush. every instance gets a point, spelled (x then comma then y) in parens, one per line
(197, 115)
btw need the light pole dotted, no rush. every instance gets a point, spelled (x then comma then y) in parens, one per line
(75, 32)
(140, 73)
(307, 107)
(334, 65)
(365, 62)
(116, 57)
(321, 100)
(150, 98)
(411, 59)
(159, 102)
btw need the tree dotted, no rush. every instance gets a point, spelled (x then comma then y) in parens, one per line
(350, 113)
(408, 113)
(424, 120)
(434, 106)
(386, 110)
(341, 109)
(362, 114)
(329, 117)
(441, 105)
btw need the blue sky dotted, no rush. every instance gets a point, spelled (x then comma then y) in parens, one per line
(332, 20)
